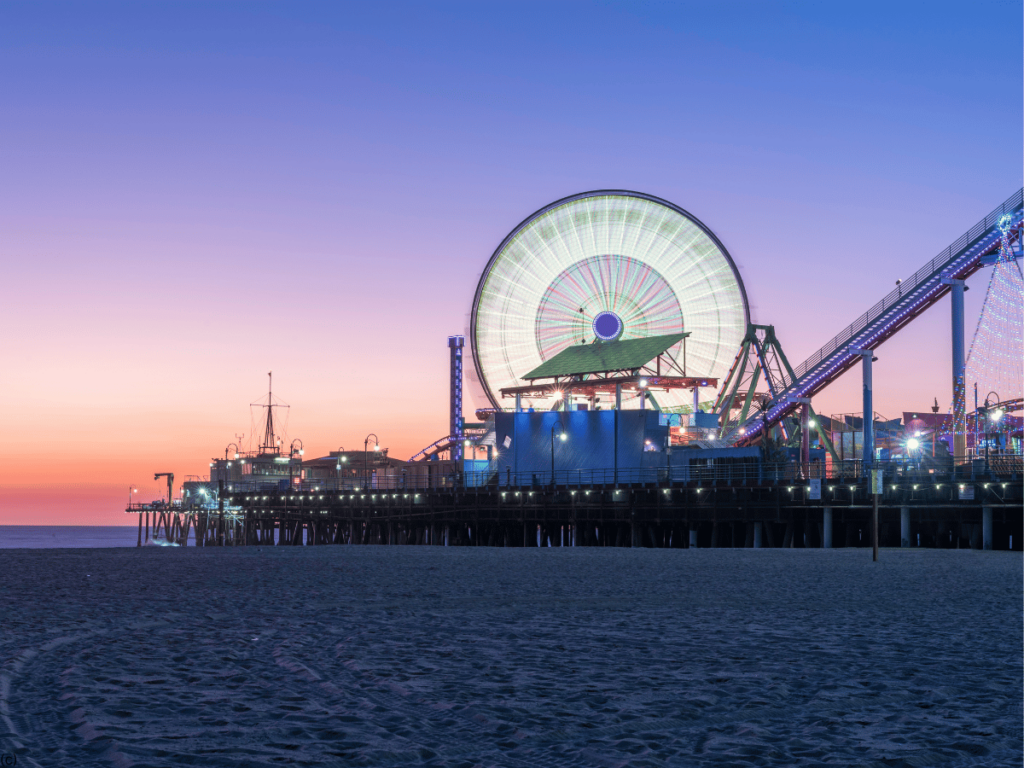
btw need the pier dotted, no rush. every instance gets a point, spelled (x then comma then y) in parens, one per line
(612, 440)
(937, 511)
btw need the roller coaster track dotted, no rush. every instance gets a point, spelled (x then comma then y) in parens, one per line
(912, 297)
(445, 443)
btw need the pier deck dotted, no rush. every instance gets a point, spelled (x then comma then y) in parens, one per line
(979, 514)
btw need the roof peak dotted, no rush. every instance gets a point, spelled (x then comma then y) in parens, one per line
(604, 356)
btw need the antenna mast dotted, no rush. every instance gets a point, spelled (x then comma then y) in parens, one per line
(269, 444)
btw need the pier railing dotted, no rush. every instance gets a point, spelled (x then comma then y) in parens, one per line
(753, 472)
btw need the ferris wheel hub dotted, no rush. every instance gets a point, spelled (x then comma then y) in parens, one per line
(608, 326)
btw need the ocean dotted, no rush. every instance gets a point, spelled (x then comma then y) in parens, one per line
(69, 536)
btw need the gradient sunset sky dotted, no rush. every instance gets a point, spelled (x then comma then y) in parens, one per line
(193, 194)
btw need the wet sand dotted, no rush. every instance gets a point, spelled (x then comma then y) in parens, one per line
(399, 656)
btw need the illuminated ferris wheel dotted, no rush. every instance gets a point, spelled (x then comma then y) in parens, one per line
(601, 266)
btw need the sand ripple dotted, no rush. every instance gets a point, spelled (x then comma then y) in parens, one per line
(464, 657)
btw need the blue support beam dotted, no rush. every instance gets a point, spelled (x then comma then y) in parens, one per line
(456, 345)
(867, 357)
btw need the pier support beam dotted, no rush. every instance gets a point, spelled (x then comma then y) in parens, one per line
(986, 527)
(758, 531)
(904, 526)
(826, 538)
(693, 538)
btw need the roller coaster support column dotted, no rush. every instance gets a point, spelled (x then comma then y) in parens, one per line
(867, 356)
(805, 435)
(956, 294)
(805, 439)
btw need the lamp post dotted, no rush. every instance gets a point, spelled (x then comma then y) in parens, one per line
(561, 436)
(366, 463)
(342, 459)
(913, 445)
(132, 489)
(993, 416)
(291, 455)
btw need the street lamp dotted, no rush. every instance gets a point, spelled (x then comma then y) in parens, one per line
(291, 455)
(913, 445)
(131, 489)
(561, 436)
(342, 459)
(376, 447)
(994, 416)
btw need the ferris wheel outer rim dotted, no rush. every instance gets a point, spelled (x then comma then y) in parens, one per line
(564, 201)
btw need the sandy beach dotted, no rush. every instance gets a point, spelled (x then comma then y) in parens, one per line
(398, 656)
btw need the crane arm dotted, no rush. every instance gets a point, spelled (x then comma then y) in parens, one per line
(170, 484)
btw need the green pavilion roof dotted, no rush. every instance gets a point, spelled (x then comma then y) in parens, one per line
(602, 356)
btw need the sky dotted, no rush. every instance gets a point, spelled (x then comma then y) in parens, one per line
(194, 194)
